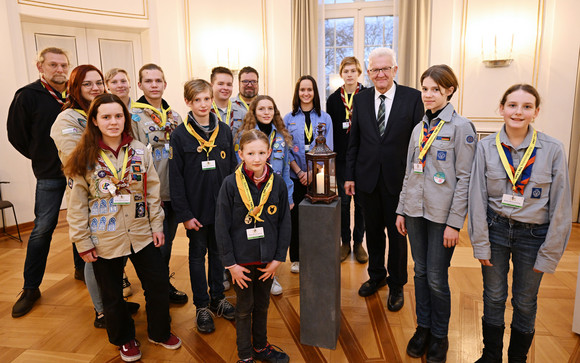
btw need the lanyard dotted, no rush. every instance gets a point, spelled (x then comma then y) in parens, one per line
(244, 189)
(112, 168)
(244, 103)
(163, 114)
(523, 163)
(203, 144)
(217, 112)
(431, 136)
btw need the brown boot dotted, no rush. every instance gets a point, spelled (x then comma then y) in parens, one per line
(344, 252)
(360, 253)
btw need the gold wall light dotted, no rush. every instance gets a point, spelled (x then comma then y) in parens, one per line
(496, 49)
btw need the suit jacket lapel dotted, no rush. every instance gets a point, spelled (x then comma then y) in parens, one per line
(394, 107)
(370, 104)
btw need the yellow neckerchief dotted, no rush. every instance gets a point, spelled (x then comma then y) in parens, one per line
(244, 189)
(162, 114)
(308, 131)
(432, 138)
(506, 165)
(81, 112)
(203, 144)
(217, 112)
(349, 103)
(112, 167)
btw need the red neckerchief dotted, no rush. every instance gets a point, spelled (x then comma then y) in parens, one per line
(125, 140)
(52, 91)
(250, 175)
(348, 110)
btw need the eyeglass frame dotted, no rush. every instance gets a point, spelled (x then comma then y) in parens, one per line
(385, 70)
(246, 82)
(89, 85)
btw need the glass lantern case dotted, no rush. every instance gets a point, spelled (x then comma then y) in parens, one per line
(321, 171)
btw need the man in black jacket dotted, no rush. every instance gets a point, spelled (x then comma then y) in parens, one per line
(383, 118)
(31, 115)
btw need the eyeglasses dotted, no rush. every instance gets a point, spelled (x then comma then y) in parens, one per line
(246, 82)
(90, 85)
(57, 65)
(379, 70)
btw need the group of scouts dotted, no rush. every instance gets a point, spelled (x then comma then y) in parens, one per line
(233, 172)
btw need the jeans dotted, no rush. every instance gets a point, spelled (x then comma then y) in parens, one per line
(93, 286)
(521, 241)
(252, 312)
(359, 221)
(432, 261)
(49, 193)
(297, 196)
(153, 275)
(200, 242)
(169, 229)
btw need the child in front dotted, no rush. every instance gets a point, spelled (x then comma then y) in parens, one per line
(114, 211)
(201, 155)
(253, 232)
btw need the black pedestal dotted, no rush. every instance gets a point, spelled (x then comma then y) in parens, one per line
(319, 273)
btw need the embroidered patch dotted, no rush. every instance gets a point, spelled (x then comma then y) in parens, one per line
(157, 155)
(136, 168)
(470, 139)
(296, 148)
(276, 145)
(103, 223)
(223, 154)
(136, 158)
(103, 206)
(104, 185)
(136, 110)
(95, 208)
(272, 209)
(536, 193)
(236, 147)
(170, 152)
(138, 197)
(140, 210)
(112, 206)
(165, 153)
(136, 117)
(112, 225)
(71, 130)
(70, 183)
(443, 138)
(101, 174)
(156, 139)
(139, 151)
(94, 225)
(136, 177)
(95, 240)
(441, 155)
(151, 128)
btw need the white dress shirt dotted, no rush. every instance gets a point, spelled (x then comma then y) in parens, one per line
(390, 94)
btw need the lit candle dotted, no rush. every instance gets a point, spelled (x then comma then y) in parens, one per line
(320, 181)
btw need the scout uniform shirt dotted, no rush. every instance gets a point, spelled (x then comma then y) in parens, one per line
(67, 130)
(153, 128)
(114, 229)
(546, 195)
(439, 193)
(240, 108)
(234, 119)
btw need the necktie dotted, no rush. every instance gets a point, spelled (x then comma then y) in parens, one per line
(381, 116)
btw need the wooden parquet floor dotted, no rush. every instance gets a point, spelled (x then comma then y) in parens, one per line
(60, 326)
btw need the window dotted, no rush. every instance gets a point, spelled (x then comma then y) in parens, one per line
(354, 28)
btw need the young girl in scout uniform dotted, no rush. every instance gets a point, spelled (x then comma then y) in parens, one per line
(302, 124)
(433, 204)
(114, 211)
(253, 229)
(519, 207)
(201, 156)
(263, 115)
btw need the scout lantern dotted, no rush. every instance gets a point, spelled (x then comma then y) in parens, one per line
(321, 171)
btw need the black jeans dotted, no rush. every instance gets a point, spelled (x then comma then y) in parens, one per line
(359, 221)
(298, 196)
(379, 209)
(200, 243)
(152, 272)
(252, 312)
(169, 229)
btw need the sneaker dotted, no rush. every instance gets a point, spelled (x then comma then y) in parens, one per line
(25, 303)
(247, 360)
(127, 291)
(80, 274)
(133, 307)
(271, 353)
(227, 284)
(276, 287)
(99, 322)
(130, 351)
(204, 320)
(176, 296)
(295, 267)
(172, 343)
(223, 308)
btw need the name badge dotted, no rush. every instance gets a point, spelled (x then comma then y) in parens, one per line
(112, 189)
(254, 233)
(418, 168)
(122, 199)
(167, 146)
(208, 165)
(307, 148)
(345, 125)
(512, 200)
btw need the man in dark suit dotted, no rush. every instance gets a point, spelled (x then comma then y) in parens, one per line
(382, 122)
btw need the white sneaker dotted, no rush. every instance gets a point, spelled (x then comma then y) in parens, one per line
(295, 267)
(276, 287)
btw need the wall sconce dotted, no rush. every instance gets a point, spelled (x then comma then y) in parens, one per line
(229, 57)
(496, 50)
(334, 81)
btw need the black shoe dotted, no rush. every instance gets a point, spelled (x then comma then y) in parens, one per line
(204, 321)
(396, 299)
(271, 354)
(80, 274)
(223, 308)
(247, 360)
(370, 287)
(133, 307)
(437, 351)
(176, 296)
(418, 343)
(99, 322)
(25, 303)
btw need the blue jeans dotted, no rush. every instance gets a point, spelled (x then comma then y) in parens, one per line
(169, 229)
(49, 193)
(93, 287)
(432, 261)
(200, 242)
(522, 241)
(359, 221)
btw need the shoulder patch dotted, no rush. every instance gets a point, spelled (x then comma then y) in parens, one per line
(136, 117)
(470, 139)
